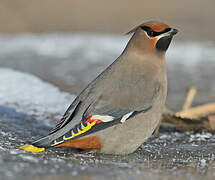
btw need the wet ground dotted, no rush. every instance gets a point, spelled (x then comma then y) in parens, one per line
(29, 107)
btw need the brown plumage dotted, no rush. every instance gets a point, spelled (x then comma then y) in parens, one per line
(87, 143)
(154, 25)
(121, 108)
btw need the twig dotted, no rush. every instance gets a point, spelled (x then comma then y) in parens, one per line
(186, 124)
(190, 118)
(189, 98)
(197, 111)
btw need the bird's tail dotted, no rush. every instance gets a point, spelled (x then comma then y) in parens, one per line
(43, 143)
(32, 148)
(39, 145)
(63, 127)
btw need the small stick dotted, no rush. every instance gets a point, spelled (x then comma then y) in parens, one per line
(197, 111)
(186, 124)
(189, 98)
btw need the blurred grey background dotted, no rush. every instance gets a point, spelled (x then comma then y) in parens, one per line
(194, 18)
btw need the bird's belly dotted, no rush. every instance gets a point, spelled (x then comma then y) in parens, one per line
(125, 138)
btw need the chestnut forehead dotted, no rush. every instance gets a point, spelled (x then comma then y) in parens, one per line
(158, 27)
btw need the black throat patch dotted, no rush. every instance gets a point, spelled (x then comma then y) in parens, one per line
(163, 43)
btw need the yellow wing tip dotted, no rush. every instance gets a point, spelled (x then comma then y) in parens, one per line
(31, 148)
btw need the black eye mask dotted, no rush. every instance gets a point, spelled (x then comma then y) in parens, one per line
(152, 33)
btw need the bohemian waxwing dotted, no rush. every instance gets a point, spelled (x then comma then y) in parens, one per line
(119, 109)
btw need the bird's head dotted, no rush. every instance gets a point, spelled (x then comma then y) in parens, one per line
(153, 35)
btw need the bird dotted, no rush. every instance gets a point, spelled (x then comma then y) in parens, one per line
(122, 106)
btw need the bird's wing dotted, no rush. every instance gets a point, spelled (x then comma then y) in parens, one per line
(95, 119)
(68, 116)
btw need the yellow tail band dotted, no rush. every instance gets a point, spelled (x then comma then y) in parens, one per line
(31, 148)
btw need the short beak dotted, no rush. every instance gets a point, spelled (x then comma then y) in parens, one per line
(173, 32)
(170, 33)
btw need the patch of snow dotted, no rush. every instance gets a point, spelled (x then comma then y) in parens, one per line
(190, 53)
(165, 136)
(29, 158)
(65, 45)
(200, 136)
(30, 95)
(203, 163)
(14, 151)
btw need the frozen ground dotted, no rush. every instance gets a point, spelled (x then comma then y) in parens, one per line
(30, 106)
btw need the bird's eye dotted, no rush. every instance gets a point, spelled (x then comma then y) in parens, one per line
(150, 33)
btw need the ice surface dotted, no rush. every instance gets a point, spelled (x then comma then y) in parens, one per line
(28, 94)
